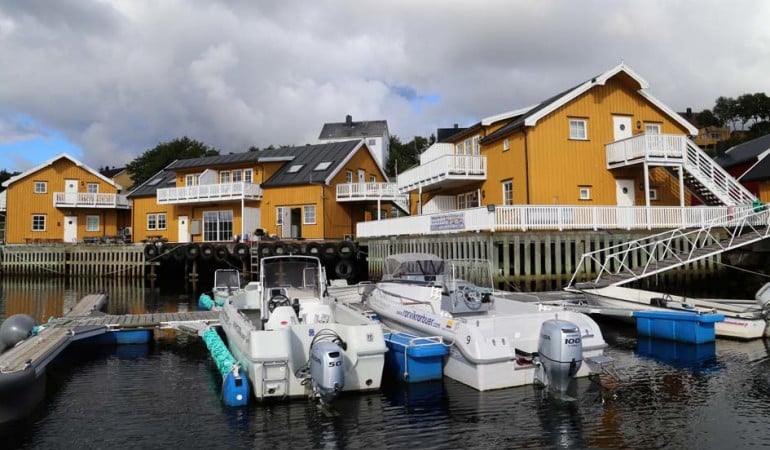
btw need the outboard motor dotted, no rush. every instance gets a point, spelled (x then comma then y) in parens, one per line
(560, 352)
(326, 370)
(762, 297)
(14, 330)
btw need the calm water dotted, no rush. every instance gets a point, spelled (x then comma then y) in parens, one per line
(166, 395)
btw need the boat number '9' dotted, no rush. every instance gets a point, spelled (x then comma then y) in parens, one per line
(467, 339)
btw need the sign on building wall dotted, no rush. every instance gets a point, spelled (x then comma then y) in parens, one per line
(444, 222)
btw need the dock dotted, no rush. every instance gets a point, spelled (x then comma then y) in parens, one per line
(28, 359)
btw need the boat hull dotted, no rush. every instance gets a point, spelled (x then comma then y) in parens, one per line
(273, 359)
(483, 346)
(733, 327)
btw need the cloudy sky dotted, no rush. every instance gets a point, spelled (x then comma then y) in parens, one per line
(106, 80)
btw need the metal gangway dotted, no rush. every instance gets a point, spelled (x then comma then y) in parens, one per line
(623, 263)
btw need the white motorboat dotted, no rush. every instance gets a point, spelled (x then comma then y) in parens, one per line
(293, 340)
(743, 319)
(495, 343)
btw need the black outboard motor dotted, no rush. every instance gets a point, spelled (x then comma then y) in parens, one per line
(326, 371)
(560, 353)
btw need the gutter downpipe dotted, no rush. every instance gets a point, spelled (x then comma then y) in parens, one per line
(526, 163)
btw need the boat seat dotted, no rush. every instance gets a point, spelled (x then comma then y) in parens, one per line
(315, 313)
(281, 317)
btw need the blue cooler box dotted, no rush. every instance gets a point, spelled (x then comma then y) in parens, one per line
(414, 359)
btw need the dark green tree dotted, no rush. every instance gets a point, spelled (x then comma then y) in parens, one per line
(404, 155)
(4, 176)
(706, 118)
(153, 160)
(725, 109)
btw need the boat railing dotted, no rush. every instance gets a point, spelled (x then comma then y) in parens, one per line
(409, 301)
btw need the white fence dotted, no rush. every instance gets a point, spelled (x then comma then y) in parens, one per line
(89, 200)
(205, 192)
(523, 218)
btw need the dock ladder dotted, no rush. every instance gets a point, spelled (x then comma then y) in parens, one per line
(633, 260)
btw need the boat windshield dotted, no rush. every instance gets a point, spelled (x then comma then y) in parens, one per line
(417, 267)
(293, 278)
(227, 279)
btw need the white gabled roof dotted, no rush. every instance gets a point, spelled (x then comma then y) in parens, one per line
(486, 121)
(601, 80)
(47, 163)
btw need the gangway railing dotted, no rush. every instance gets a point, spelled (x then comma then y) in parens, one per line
(667, 250)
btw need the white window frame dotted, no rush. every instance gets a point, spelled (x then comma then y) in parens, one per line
(653, 194)
(323, 165)
(92, 223)
(372, 178)
(506, 145)
(476, 148)
(41, 187)
(154, 221)
(584, 192)
(371, 142)
(190, 180)
(348, 176)
(575, 128)
(308, 215)
(248, 175)
(92, 188)
(42, 220)
(652, 128)
(295, 168)
(279, 215)
(224, 176)
(237, 175)
(218, 225)
(508, 192)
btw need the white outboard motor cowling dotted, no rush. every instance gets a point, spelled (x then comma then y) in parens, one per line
(326, 370)
(560, 353)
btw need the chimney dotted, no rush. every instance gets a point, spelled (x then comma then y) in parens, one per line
(349, 120)
(689, 112)
(456, 126)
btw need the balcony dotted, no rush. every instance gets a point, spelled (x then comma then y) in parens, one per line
(657, 149)
(204, 193)
(89, 200)
(442, 169)
(362, 192)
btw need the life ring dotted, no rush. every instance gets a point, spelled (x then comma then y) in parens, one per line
(207, 251)
(329, 251)
(241, 250)
(220, 253)
(265, 249)
(150, 251)
(346, 249)
(313, 249)
(344, 269)
(179, 252)
(279, 248)
(193, 251)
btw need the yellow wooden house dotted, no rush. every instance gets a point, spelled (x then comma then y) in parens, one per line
(63, 200)
(306, 192)
(606, 141)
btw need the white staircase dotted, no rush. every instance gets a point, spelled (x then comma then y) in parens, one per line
(710, 182)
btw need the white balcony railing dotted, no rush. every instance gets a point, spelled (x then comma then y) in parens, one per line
(89, 200)
(209, 192)
(652, 147)
(350, 192)
(454, 167)
(435, 151)
(523, 218)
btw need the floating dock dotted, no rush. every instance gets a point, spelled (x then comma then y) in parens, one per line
(23, 366)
